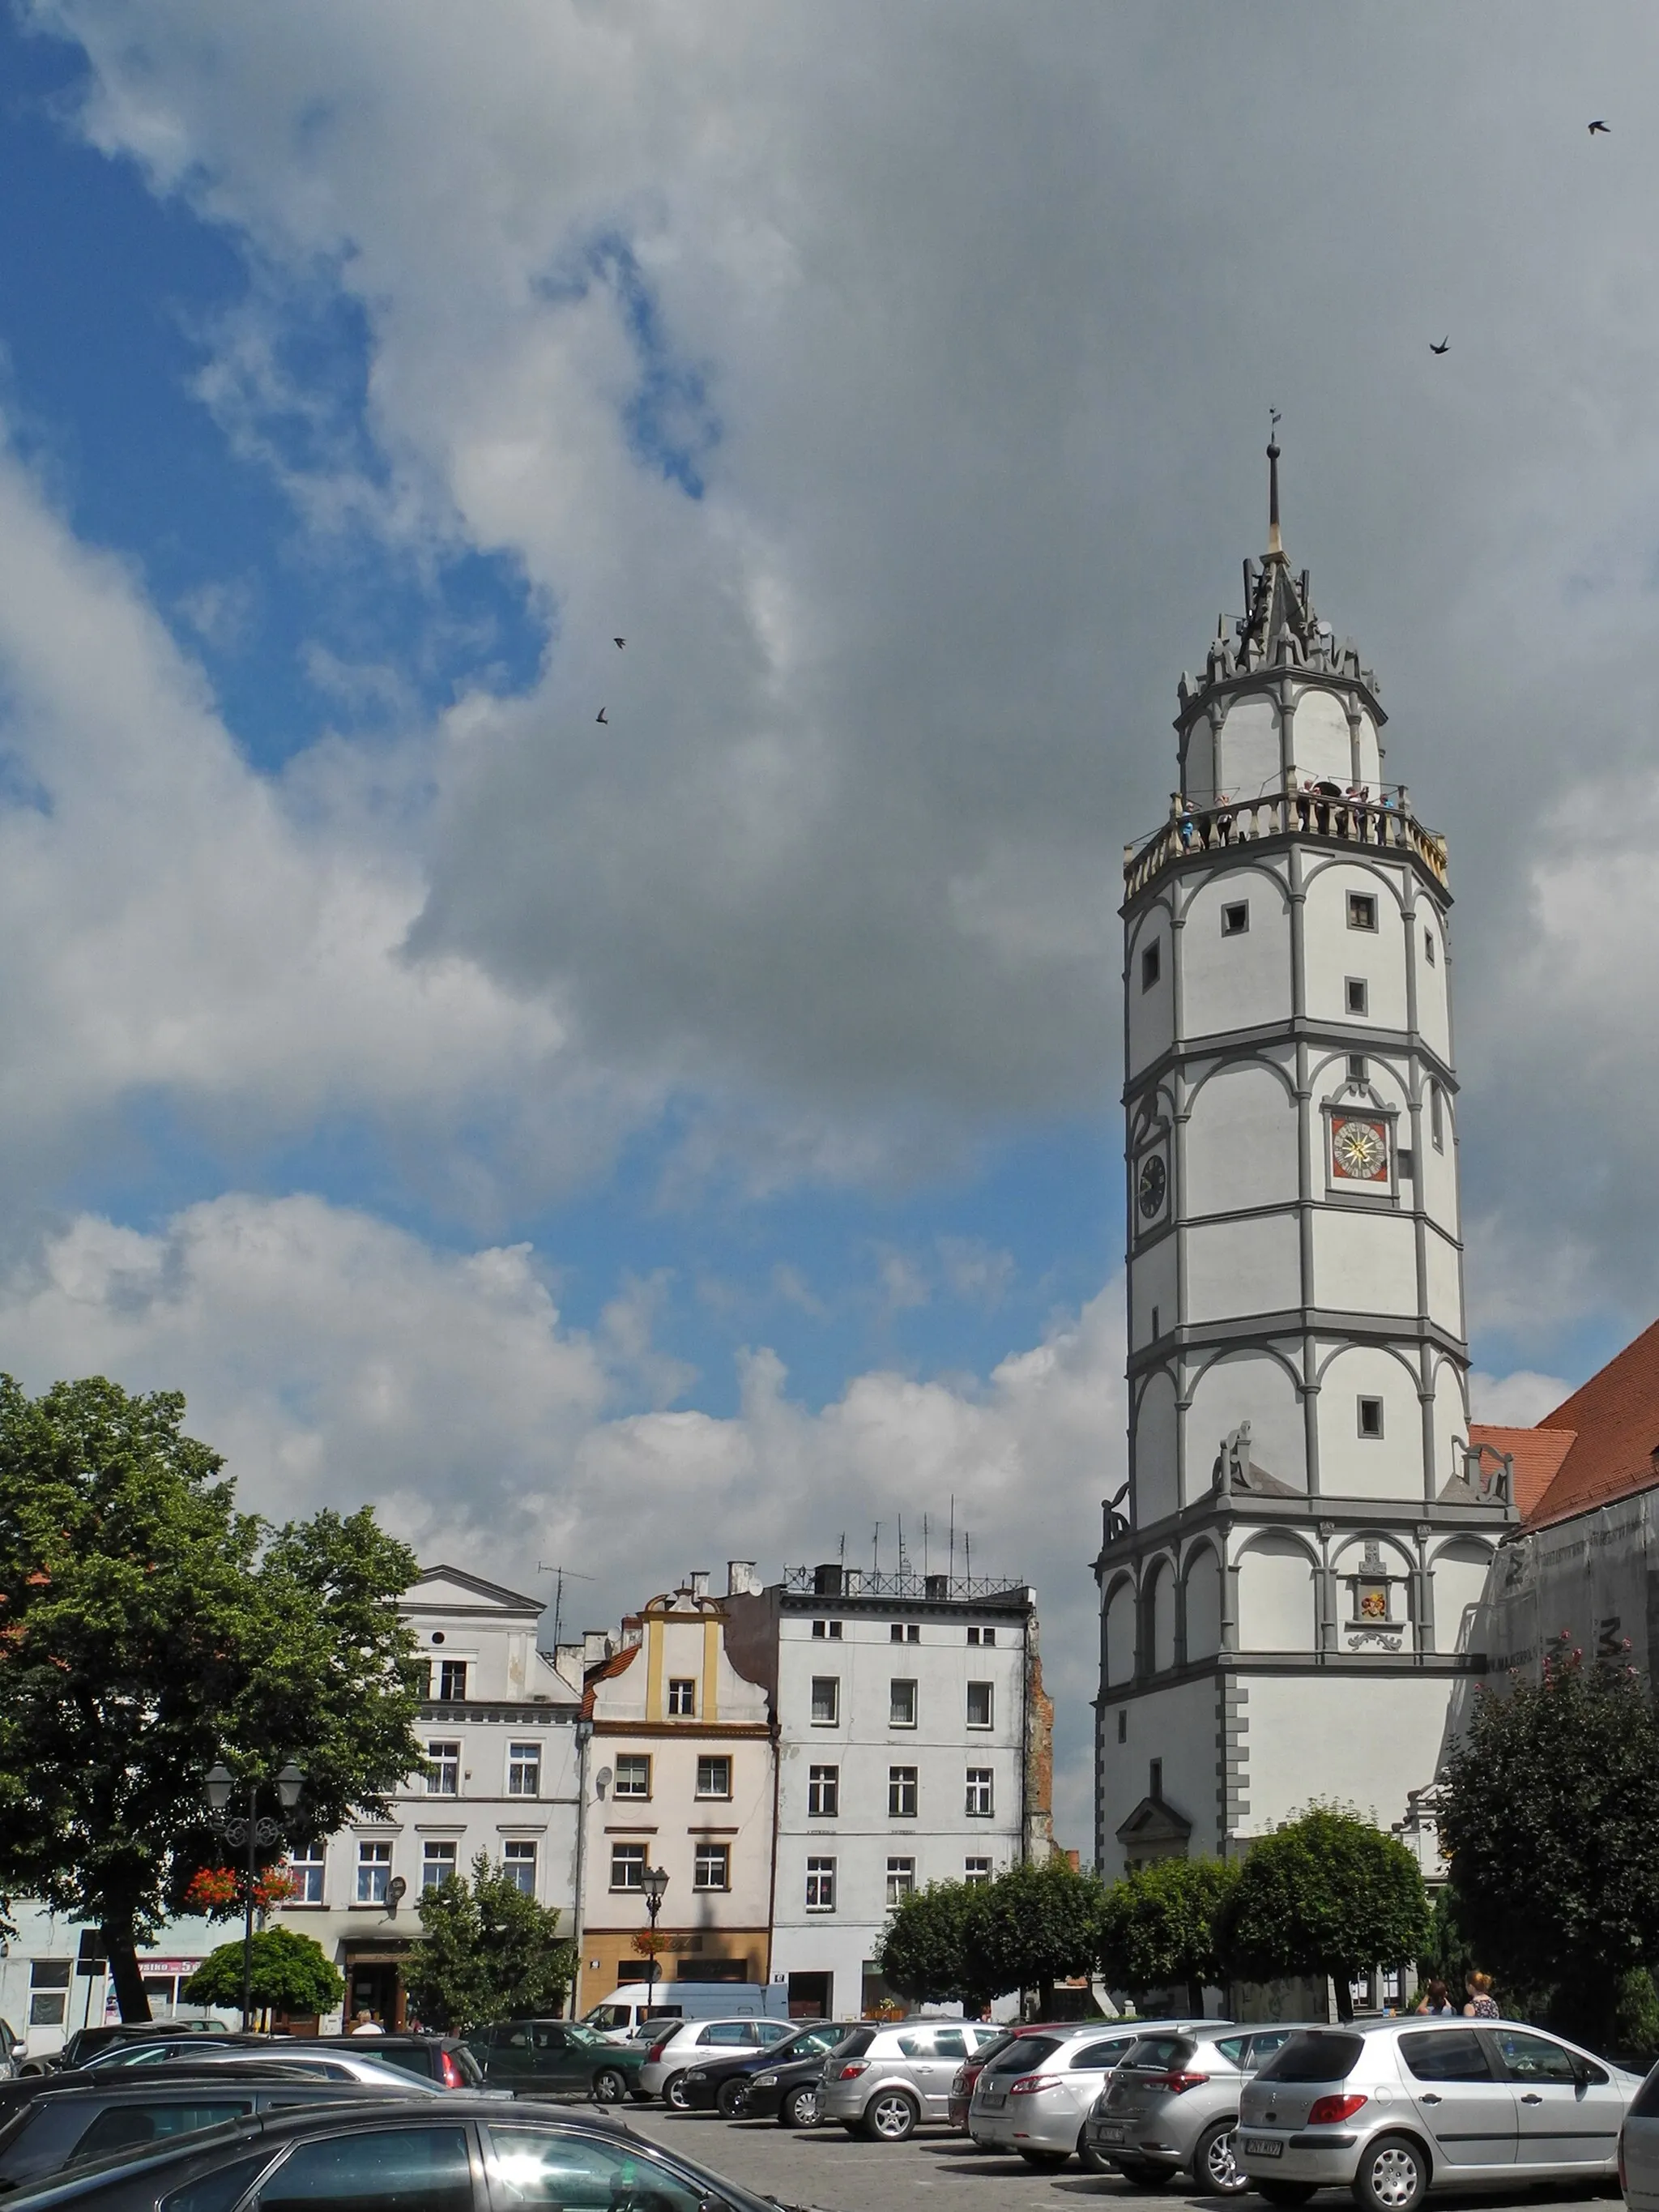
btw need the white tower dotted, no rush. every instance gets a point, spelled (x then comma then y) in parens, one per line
(1286, 1586)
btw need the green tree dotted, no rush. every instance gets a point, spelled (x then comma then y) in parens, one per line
(487, 1952)
(290, 1975)
(1327, 1893)
(1551, 1822)
(1160, 1927)
(147, 1628)
(930, 1950)
(1037, 1925)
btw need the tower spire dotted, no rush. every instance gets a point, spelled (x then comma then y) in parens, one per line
(1275, 546)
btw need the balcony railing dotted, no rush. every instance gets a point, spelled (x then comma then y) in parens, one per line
(1381, 818)
(836, 1581)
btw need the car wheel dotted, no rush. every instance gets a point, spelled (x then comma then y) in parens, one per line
(799, 2109)
(890, 2116)
(733, 2096)
(610, 2086)
(1145, 2177)
(1090, 2159)
(1053, 2159)
(1392, 2176)
(1214, 2166)
(673, 2094)
(1284, 2193)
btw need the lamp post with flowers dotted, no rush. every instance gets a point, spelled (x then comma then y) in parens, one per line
(653, 1881)
(258, 1832)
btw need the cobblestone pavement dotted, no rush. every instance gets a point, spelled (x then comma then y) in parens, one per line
(827, 2167)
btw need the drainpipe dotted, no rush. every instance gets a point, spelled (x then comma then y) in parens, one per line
(583, 1737)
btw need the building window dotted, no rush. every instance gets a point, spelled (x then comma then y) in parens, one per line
(913, 1634)
(826, 1700)
(1371, 1416)
(518, 1864)
(633, 1774)
(1436, 1118)
(1362, 910)
(980, 1785)
(1123, 1724)
(49, 1981)
(896, 1633)
(682, 1697)
(1236, 920)
(711, 1868)
(1428, 946)
(1155, 1780)
(989, 1635)
(437, 1864)
(524, 1770)
(830, 1628)
(1358, 1069)
(443, 1770)
(902, 1793)
(901, 1880)
(1149, 967)
(714, 1778)
(627, 1866)
(1157, 1332)
(305, 1870)
(975, 1870)
(901, 1704)
(1358, 996)
(374, 1872)
(822, 1792)
(820, 1884)
(981, 1704)
(449, 1681)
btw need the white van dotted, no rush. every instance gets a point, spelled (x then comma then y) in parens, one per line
(628, 2008)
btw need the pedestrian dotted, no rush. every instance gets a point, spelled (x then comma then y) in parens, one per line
(1436, 1999)
(364, 2023)
(1482, 2005)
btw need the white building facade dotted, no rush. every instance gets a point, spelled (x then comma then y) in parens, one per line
(1287, 1583)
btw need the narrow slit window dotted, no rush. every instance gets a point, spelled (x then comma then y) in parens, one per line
(1157, 1332)
(1123, 1724)
(1436, 1118)
(1428, 946)
(1358, 996)
(1151, 967)
(1362, 910)
(1235, 918)
(1371, 1416)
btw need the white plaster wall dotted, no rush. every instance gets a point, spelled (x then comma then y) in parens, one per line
(1203, 1578)
(1121, 1634)
(1458, 1571)
(1451, 1423)
(1433, 990)
(1276, 1608)
(1246, 1385)
(1240, 1267)
(1371, 763)
(1159, 1613)
(1320, 747)
(1240, 1144)
(1445, 1287)
(1151, 1012)
(1438, 1163)
(1333, 951)
(1152, 1283)
(1364, 1260)
(1352, 1466)
(1236, 982)
(1248, 762)
(1154, 1460)
(1198, 763)
(1359, 1741)
(1174, 1723)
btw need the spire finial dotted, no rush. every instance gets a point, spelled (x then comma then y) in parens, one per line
(1275, 547)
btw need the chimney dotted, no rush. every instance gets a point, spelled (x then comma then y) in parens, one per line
(938, 1585)
(826, 1581)
(741, 1580)
(596, 1645)
(699, 1581)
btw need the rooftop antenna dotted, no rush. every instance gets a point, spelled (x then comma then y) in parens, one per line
(563, 1575)
(903, 1563)
(924, 1548)
(875, 1551)
(1275, 545)
(952, 1553)
(968, 1555)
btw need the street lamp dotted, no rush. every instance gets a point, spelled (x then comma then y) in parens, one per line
(653, 1881)
(258, 1832)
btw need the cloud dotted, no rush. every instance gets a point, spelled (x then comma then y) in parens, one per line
(1519, 1400)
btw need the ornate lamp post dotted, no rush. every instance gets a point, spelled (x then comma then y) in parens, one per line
(258, 1832)
(653, 1881)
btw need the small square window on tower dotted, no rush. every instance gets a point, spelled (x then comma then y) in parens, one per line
(1358, 1070)
(1362, 910)
(1371, 1416)
(1428, 946)
(1358, 996)
(1151, 967)
(1235, 918)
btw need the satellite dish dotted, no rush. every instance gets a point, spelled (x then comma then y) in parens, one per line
(602, 1781)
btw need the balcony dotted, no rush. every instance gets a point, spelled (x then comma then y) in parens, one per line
(1379, 818)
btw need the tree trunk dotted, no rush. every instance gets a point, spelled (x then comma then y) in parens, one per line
(124, 1970)
(1045, 2000)
(1195, 1997)
(1344, 1988)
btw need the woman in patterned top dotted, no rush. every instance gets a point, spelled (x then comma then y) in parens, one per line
(1481, 2004)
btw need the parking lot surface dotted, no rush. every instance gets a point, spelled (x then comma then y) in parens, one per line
(827, 2167)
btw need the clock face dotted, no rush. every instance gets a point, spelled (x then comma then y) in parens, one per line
(1359, 1150)
(1154, 1182)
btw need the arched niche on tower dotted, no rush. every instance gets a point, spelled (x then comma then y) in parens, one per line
(1249, 764)
(1154, 1492)
(1158, 1616)
(1235, 948)
(1336, 951)
(1276, 1595)
(1459, 1574)
(1370, 1423)
(1149, 982)
(1202, 1581)
(1258, 1385)
(1451, 1420)
(1120, 1632)
(1323, 744)
(1242, 1139)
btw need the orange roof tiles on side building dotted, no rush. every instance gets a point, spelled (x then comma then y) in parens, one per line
(1599, 1445)
(1537, 1454)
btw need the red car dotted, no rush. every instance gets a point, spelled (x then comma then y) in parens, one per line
(962, 2087)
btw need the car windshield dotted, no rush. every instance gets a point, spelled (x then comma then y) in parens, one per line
(1314, 2056)
(987, 2051)
(1024, 2054)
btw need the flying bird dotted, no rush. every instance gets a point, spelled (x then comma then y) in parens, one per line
(1444, 345)
(1606, 128)
(599, 717)
(619, 642)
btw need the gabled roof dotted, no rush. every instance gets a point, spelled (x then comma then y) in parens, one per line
(1611, 1426)
(445, 1587)
(1153, 1821)
(1536, 1455)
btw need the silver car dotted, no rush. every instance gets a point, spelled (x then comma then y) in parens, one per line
(686, 2042)
(1638, 2149)
(884, 2081)
(1034, 2096)
(1173, 2102)
(1397, 2107)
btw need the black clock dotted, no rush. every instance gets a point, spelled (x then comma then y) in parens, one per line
(1154, 1181)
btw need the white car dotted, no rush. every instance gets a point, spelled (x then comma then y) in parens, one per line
(688, 2042)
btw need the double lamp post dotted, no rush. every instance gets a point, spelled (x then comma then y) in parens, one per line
(258, 1832)
(653, 1881)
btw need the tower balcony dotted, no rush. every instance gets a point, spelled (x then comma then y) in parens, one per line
(1373, 816)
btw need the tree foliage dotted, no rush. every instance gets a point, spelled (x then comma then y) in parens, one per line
(290, 1974)
(147, 1628)
(970, 1941)
(487, 1952)
(1161, 1927)
(929, 1951)
(1327, 1893)
(1551, 1822)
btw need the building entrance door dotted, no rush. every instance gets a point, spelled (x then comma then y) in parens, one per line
(812, 1996)
(375, 1987)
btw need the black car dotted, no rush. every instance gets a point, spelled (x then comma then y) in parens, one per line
(784, 2086)
(722, 2083)
(64, 2126)
(464, 2154)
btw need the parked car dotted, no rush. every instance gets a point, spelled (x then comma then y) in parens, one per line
(556, 2058)
(277, 2060)
(81, 2045)
(635, 2003)
(443, 2060)
(961, 2084)
(159, 2049)
(65, 2127)
(464, 2154)
(690, 2042)
(884, 2081)
(1172, 2102)
(1638, 2149)
(722, 2082)
(1397, 2107)
(1035, 2096)
(11, 2050)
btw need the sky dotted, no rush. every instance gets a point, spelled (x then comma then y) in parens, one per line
(636, 1143)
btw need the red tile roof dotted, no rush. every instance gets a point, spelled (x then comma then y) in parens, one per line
(1610, 1429)
(1537, 1454)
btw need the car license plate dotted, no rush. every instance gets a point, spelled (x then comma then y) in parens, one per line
(994, 2100)
(1111, 2134)
(1263, 2147)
